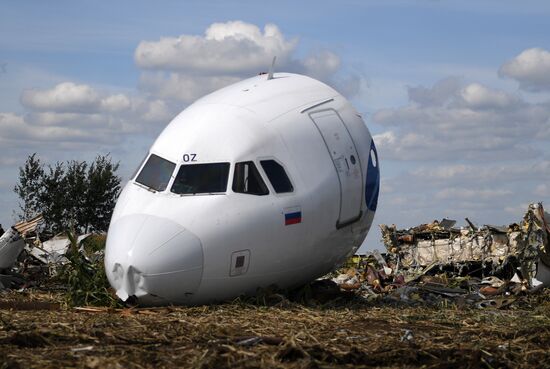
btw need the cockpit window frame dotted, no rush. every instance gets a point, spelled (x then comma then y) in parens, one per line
(140, 166)
(202, 193)
(268, 181)
(148, 186)
(263, 183)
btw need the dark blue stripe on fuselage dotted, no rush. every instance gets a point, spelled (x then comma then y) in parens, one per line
(372, 186)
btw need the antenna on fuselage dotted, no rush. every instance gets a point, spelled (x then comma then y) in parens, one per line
(270, 74)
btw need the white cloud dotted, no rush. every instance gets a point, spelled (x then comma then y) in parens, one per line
(232, 47)
(16, 130)
(187, 67)
(66, 97)
(464, 149)
(50, 119)
(73, 115)
(182, 87)
(474, 122)
(114, 103)
(349, 86)
(438, 95)
(176, 71)
(385, 139)
(157, 111)
(322, 64)
(477, 96)
(531, 68)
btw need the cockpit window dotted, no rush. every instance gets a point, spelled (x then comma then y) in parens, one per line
(201, 178)
(277, 176)
(248, 180)
(139, 166)
(156, 173)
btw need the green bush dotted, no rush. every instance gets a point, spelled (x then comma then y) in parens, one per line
(84, 274)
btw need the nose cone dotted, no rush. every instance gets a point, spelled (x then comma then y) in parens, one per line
(154, 259)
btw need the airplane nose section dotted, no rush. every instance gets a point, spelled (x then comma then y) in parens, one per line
(153, 258)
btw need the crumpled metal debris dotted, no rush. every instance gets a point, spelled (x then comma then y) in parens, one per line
(12, 241)
(11, 245)
(526, 243)
(28, 228)
(53, 250)
(26, 260)
(436, 264)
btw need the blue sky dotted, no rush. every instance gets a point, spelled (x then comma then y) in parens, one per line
(456, 93)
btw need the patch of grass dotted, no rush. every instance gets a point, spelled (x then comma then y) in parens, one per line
(84, 274)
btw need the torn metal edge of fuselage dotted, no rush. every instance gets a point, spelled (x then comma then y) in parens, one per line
(11, 245)
(440, 243)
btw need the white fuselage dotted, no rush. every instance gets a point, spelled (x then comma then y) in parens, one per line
(169, 243)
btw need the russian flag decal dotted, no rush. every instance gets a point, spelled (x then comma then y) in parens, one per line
(293, 215)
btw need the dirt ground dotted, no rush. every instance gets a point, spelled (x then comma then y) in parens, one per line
(37, 330)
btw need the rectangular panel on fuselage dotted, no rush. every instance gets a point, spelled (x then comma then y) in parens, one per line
(346, 161)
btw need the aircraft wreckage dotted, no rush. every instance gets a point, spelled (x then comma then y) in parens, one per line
(272, 180)
(488, 266)
(522, 247)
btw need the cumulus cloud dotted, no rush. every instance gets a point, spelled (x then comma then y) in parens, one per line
(477, 96)
(67, 97)
(187, 67)
(72, 118)
(114, 103)
(70, 113)
(451, 92)
(473, 122)
(531, 68)
(182, 87)
(438, 95)
(16, 129)
(175, 71)
(461, 148)
(231, 47)
(321, 64)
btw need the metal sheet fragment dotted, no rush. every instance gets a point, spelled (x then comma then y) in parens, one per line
(439, 243)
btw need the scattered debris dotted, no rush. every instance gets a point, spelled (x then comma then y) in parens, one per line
(392, 315)
(525, 245)
(436, 264)
(28, 228)
(31, 258)
(11, 245)
(14, 240)
(82, 348)
(432, 264)
(407, 336)
(54, 250)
